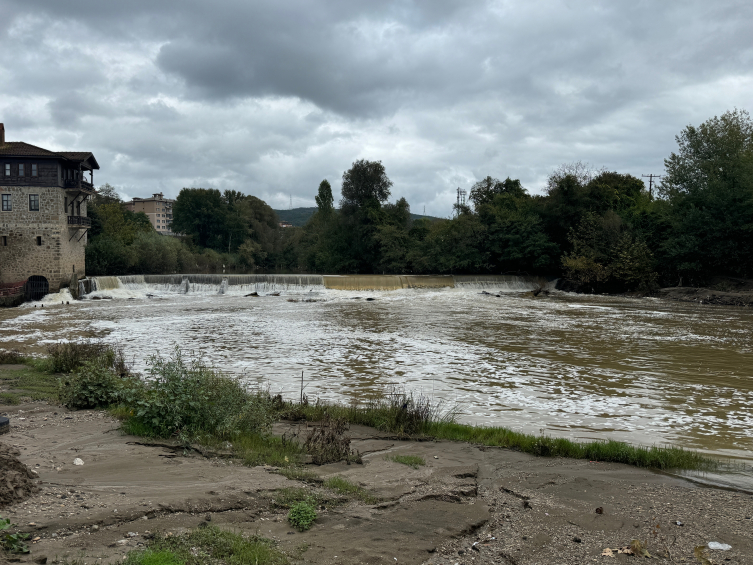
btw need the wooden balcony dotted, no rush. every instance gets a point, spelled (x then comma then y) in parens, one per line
(79, 222)
(82, 185)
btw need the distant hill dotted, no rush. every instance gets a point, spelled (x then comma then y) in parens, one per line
(299, 216)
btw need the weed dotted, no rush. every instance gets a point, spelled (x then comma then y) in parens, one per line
(29, 382)
(190, 400)
(209, 545)
(327, 442)
(302, 515)
(93, 385)
(9, 399)
(411, 460)
(287, 497)
(14, 543)
(343, 486)
(11, 357)
(67, 356)
(300, 474)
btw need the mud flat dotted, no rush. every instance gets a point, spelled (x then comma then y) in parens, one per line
(467, 504)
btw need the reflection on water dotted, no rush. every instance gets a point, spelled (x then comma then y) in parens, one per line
(644, 371)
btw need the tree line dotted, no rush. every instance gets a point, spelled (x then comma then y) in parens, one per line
(601, 230)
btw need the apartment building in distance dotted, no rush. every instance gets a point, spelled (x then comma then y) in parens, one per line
(158, 209)
(43, 223)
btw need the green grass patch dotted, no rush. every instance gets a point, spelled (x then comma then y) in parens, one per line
(344, 487)
(150, 557)
(9, 399)
(296, 473)
(28, 381)
(414, 461)
(546, 446)
(289, 496)
(208, 545)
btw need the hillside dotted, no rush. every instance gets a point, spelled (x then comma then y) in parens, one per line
(299, 216)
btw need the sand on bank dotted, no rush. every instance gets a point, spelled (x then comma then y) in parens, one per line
(468, 504)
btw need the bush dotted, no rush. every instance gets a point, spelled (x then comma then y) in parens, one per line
(302, 515)
(95, 385)
(190, 400)
(10, 357)
(67, 356)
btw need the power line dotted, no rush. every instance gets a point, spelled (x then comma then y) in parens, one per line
(651, 178)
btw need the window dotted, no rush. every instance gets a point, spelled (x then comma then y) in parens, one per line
(7, 169)
(34, 203)
(39, 240)
(5, 241)
(7, 206)
(34, 171)
(20, 169)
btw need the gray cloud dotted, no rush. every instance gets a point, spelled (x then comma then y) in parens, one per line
(271, 97)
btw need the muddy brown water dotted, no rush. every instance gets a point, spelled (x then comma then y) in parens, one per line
(646, 371)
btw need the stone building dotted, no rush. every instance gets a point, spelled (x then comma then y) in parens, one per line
(43, 223)
(158, 209)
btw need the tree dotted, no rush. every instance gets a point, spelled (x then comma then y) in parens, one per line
(201, 213)
(708, 187)
(324, 200)
(365, 181)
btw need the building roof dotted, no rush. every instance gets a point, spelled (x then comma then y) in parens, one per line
(21, 149)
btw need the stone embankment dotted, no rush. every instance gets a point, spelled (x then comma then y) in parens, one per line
(467, 504)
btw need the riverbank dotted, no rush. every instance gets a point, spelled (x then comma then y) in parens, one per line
(466, 504)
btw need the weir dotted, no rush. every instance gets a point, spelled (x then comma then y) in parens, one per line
(386, 282)
(222, 284)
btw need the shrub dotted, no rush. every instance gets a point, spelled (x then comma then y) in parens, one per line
(67, 356)
(14, 543)
(10, 357)
(327, 443)
(190, 399)
(302, 515)
(94, 385)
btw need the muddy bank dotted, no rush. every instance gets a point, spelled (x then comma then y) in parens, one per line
(466, 505)
(707, 296)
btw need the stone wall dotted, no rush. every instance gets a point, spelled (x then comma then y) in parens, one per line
(56, 257)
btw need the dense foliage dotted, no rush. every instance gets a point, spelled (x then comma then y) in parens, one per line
(601, 230)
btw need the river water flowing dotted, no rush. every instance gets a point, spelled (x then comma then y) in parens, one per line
(584, 367)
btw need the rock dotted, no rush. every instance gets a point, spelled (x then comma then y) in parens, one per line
(78, 461)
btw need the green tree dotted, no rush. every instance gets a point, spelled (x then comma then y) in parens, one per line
(324, 200)
(708, 188)
(201, 213)
(365, 181)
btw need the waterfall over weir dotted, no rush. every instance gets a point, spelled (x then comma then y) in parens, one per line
(133, 286)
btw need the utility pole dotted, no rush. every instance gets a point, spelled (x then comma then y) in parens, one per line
(651, 178)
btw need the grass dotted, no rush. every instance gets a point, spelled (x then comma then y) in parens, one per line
(546, 446)
(30, 381)
(414, 461)
(344, 487)
(208, 545)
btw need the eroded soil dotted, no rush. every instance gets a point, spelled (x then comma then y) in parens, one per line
(466, 505)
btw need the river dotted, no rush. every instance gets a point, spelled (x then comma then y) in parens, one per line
(585, 367)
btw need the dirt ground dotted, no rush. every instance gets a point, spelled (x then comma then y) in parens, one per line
(467, 505)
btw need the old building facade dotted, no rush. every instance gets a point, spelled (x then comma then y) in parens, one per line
(43, 223)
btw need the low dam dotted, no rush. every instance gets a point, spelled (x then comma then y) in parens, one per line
(221, 284)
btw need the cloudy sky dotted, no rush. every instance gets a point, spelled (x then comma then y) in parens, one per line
(270, 97)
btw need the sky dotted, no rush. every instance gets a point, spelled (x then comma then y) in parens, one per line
(270, 97)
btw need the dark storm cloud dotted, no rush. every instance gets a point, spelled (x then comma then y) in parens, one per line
(270, 97)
